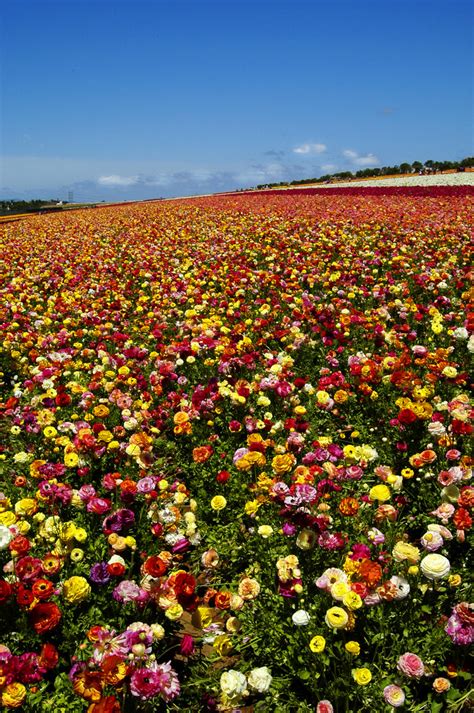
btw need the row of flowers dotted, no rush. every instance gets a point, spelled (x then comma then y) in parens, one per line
(236, 467)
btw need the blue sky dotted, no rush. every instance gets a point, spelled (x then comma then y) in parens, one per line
(117, 99)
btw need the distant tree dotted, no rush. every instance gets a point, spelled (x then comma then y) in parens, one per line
(417, 166)
(405, 167)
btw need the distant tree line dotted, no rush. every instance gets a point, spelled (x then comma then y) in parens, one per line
(12, 207)
(403, 169)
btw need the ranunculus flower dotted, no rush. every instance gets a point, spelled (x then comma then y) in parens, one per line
(45, 616)
(362, 676)
(249, 588)
(317, 644)
(435, 566)
(394, 695)
(218, 502)
(440, 685)
(13, 695)
(324, 707)
(404, 551)
(233, 683)
(76, 590)
(380, 492)
(301, 618)
(260, 679)
(336, 618)
(5, 537)
(411, 665)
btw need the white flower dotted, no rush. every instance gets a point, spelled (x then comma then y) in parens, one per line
(436, 429)
(260, 679)
(301, 618)
(460, 333)
(403, 588)
(5, 537)
(435, 566)
(233, 683)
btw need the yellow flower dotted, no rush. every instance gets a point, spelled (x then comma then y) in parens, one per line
(336, 618)
(202, 617)
(101, 411)
(49, 432)
(283, 463)
(174, 612)
(13, 695)
(71, 460)
(265, 531)
(8, 518)
(353, 647)
(76, 590)
(322, 397)
(404, 551)
(352, 601)
(222, 644)
(80, 534)
(26, 506)
(105, 436)
(408, 473)
(251, 507)
(76, 554)
(317, 644)
(218, 502)
(380, 493)
(362, 676)
(339, 590)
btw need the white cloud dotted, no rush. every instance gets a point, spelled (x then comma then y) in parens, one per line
(310, 148)
(348, 153)
(328, 166)
(369, 159)
(115, 180)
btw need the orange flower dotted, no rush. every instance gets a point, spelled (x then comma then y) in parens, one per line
(370, 572)
(222, 600)
(202, 453)
(114, 668)
(348, 506)
(88, 685)
(109, 704)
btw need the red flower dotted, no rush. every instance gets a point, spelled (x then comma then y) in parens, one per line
(462, 519)
(49, 656)
(42, 589)
(406, 416)
(63, 399)
(45, 616)
(223, 476)
(116, 569)
(24, 597)
(5, 591)
(20, 545)
(155, 566)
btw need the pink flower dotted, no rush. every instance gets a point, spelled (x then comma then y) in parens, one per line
(411, 665)
(324, 707)
(144, 683)
(187, 645)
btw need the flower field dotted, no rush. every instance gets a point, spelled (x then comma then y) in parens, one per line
(235, 461)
